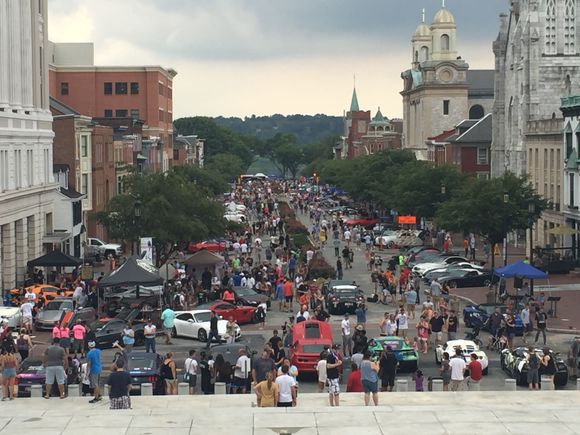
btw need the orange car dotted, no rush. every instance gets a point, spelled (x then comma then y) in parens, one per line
(50, 292)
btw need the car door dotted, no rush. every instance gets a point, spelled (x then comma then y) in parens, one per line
(111, 332)
(184, 325)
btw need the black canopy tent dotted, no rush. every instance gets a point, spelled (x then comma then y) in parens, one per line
(134, 271)
(55, 259)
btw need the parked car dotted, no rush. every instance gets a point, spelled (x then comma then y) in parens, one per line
(476, 316)
(445, 271)
(107, 331)
(12, 315)
(97, 246)
(407, 357)
(363, 221)
(144, 368)
(241, 313)
(342, 297)
(309, 339)
(195, 324)
(460, 278)
(467, 348)
(389, 239)
(86, 315)
(514, 364)
(52, 312)
(422, 268)
(32, 372)
(249, 297)
(209, 245)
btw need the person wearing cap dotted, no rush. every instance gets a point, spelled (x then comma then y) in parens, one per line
(55, 362)
(345, 328)
(388, 368)
(333, 362)
(94, 368)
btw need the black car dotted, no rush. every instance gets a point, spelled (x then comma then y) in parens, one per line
(514, 364)
(107, 331)
(32, 372)
(460, 278)
(144, 368)
(476, 316)
(249, 297)
(231, 352)
(342, 297)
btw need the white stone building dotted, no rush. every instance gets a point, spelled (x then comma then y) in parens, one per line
(27, 186)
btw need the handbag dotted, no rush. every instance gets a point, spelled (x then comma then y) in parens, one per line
(187, 375)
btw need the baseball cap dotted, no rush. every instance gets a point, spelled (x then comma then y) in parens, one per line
(92, 344)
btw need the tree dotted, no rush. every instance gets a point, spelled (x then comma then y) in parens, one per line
(492, 208)
(229, 166)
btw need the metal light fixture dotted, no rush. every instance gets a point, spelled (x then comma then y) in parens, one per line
(506, 198)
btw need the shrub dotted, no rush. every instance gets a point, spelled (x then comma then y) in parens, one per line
(285, 210)
(294, 226)
(301, 241)
(319, 268)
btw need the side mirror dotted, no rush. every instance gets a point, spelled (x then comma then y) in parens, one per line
(189, 320)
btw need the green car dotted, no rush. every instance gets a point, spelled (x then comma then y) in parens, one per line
(407, 356)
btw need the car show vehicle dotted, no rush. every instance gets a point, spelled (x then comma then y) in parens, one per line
(32, 372)
(249, 297)
(241, 313)
(107, 331)
(461, 278)
(363, 221)
(342, 297)
(467, 348)
(476, 316)
(514, 363)
(145, 368)
(424, 267)
(407, 357)
(309, 339)
(209, 245)
(49, 292)
(52, 312)
(196, 324)
(12, 315)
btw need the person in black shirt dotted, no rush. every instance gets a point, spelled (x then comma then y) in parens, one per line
(541, 318)
(320, 314)
(119, 387)
(205, 370)
(213, 330)
(333, 362)
(436, 325)
(452, 322)
(388, 369)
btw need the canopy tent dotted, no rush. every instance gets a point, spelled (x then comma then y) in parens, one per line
(134, 271)
(56, 259)
(167, 271)
(204, 258)
(520, 269)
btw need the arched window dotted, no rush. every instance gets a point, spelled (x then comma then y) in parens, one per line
(444, 42)
(550, 34)
(476, 112)
(424, 53)
(570, 27)
(416, 56)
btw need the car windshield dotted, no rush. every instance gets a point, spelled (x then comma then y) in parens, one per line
(312, 348)
(344, 289)
(140, 363)
(394, 344)
(203, 317)
(245, 291)
(32, 366)
(58, 305)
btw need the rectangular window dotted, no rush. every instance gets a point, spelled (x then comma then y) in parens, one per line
(108, 113)
(121, 113)
(446, 107)
(169, 93)
(135, 113)
(85, 184)
(483, 175)
(558, 161)
(161, 89)
(121, 88)
(482, 156)
(571, 204)
(64, 88)
(84, 146)
(161, 115)
(545, 160)
(569, 144)
(134, 88)
(551, 160)
(108, 88)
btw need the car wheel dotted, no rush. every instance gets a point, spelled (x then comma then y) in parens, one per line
(391, 245)
(202, 335)
(174, 332)
(486, 283)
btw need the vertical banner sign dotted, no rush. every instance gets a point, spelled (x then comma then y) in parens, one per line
(146, 249)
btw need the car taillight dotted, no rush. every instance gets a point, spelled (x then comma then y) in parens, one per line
(152, 379)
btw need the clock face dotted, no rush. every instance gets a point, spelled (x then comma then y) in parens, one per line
(446, 75)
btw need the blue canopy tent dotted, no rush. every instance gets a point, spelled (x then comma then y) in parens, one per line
(521, 270)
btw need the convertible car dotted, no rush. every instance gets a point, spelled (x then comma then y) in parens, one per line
(514, 364)
(407, 356)
(467, 348)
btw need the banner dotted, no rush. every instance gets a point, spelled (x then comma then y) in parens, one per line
(146, 249)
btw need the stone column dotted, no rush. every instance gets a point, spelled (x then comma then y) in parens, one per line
(8, 257)
(34, 238)
(26, 53)
(21, 249)
(4, 56)
(15, 77)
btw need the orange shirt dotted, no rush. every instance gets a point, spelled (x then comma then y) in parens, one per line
(288, 289)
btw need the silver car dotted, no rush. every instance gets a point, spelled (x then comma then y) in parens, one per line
(52, 312)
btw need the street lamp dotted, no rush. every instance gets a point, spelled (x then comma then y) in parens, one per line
(443, 189)
(137, 217)
(506, 199)
(531, 211)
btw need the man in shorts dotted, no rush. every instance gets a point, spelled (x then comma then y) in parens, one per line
(94, 369)
(288, 294)
(168, 319)
(436, 325)
(388, 364)
(55, 362)
(333, 362)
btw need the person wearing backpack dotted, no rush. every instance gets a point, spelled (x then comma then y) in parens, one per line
(533, 361)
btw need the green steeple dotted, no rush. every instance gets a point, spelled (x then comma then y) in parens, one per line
(354, 102)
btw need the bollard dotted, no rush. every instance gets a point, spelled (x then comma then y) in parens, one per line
(473, 386)
(220, 388)
(546, 383)
(147, 389)
(510, 384)
(402, 385)
(183, 389)
(437, 384)
(578, 384)
(74, 390)
(36, 390)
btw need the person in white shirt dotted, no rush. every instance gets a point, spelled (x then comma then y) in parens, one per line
(458, 367)
(309, 255)
(250, 282)
(244, 248)
(347, 236)
(243, 281)
(77, 294)
(526, 325)
(190, 371)
(402, 323)
(30, 295)
(26, 310)
(241, 373)
(286, 389)
(321, 369)
(303, 313)
(346, 336)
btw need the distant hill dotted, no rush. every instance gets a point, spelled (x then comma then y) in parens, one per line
(307, 129)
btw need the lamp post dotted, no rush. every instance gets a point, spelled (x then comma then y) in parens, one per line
(531, 212)
(506, 200)
(137, 217)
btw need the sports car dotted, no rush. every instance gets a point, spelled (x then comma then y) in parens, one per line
(467, 348)
(32, 372)
(249, 297)
(242, 314)
(195, 324)
(343, 297)
(49, 291)
(209, 245)
(423, 268)
(52, 312)
(514, 364)
(476, 316)
(107, 331)
(468, 278)
(363, 221)
(407, 356)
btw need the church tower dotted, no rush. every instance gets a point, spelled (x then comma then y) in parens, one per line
(356, 124)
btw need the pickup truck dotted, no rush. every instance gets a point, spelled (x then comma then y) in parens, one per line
(96, 246)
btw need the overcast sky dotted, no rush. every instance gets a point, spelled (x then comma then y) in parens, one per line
(244, 57)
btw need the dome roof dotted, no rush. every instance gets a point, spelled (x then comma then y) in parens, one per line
(443, 16)
(423, 30)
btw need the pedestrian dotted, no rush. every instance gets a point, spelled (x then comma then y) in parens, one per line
(119, 383)
(423, 334)
(241, 372)
(54, 362)
(388, 369)
(79, 332)
(452, 322)
(169, 374)
(56, 331)
(321, 370)
(458, 367)
(9, 367)
(419, 380)
(213, 330)
(26, 310)
(267, 392)
(65, 338)
(150, 332)
(370, 379)
(549, 364)
(527, 326)
(475, 371)
(402, 323)
(261, 312)
(190, 367)
(435, 289)
(168, 318)
(286, 389)
(436, 327)
(128, 337)
(339, 272)
(541, 319)
(354, 382)
(411, 298)
(336, 243)
(466, 247)
(205, 369)
(445, 371)
(345, 328)
(95, 368)
(361, 314)
(533, 362)
(333, 362)
(23, 344)
(231, 330)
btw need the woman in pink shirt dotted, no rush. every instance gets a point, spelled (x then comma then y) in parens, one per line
(65, 338)
(79, 332)
(56, 331)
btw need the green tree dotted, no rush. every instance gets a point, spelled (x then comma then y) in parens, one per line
(229, 166)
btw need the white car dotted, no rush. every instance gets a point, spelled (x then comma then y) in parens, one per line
(467, 348)
(235, 217)
(12, 315)
(195, 324)
(423, 268)
(389, 239)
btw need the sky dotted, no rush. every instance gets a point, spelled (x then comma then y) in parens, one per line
(245, 57)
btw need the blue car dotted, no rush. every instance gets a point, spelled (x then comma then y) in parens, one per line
(476, 316)
(407, 357)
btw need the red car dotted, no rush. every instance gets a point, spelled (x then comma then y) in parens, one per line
(310, 338)
(363, 221)
(242, 314)
(209, 245)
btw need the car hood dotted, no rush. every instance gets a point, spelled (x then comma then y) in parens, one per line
(49, 315)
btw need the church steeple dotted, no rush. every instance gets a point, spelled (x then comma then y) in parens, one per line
(354, 102)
